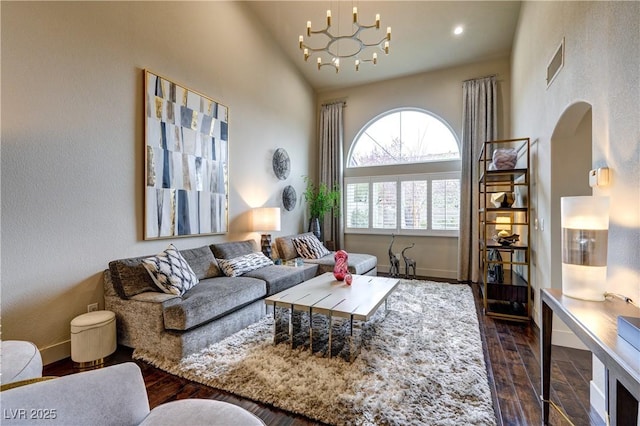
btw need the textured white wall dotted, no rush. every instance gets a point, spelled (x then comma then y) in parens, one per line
(602, 63)
(439, 92)
(602, 59)
(73, 137)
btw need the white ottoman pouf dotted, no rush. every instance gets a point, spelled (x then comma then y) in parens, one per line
(93, 337)
(20, 361)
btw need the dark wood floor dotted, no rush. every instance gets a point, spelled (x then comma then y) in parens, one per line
(512, 354)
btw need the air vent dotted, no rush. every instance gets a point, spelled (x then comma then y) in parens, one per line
(556, 64)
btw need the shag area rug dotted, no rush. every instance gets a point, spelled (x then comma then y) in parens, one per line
(421, 364)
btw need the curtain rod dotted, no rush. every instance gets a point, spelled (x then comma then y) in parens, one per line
(342, 101)
(480, 78)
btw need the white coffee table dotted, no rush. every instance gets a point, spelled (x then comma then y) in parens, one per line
(328, 296)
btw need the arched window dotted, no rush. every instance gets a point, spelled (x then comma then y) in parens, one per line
(403, 176)
(401, 137)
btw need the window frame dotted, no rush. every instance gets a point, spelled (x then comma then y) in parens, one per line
(428, 170)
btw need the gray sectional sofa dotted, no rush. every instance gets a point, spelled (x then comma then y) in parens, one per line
(173, 326)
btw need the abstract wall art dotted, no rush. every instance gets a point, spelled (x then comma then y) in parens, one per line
(186, 161)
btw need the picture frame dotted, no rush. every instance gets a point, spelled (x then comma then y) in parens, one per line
(186, 161)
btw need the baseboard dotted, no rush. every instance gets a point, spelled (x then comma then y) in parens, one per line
(53, 353)
(567, 339)
(424, 272)
(597, 400)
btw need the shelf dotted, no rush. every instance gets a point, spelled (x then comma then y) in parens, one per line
(506, 177)
(510, 298)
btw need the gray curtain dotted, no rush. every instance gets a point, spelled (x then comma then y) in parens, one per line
(479, 121)
(331, 138)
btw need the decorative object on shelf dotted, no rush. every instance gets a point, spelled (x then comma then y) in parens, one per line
(348, 279)
(503, 226)
(341, 268)
(508, 239)
(281, 164)
(264, 220)
(394, 263)
(289, 198)
(409, 263)
(585, 230)
(504, 159)
(349, 45)
(495, 273)
(503, 199)
(321, 200)
(177, 181)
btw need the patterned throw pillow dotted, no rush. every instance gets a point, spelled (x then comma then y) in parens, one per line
(242, 264)
(170, 271)
(310, 247)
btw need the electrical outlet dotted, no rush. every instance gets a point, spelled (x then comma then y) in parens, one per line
(92, 307)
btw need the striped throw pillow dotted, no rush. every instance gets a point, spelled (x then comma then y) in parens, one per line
(170, 271)
(243, 264)
(309, 247)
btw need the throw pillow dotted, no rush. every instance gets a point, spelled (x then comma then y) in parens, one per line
(202, 262)
(242, 264)
(310, 247)
(170, 271)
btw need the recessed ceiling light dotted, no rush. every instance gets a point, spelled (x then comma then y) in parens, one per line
(458, 30)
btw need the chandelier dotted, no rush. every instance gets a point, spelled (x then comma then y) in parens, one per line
(352, 43)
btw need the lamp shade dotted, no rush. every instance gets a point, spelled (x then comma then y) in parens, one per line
(265, 219)
(585, 229)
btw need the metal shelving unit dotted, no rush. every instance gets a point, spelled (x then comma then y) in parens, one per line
(505, 268)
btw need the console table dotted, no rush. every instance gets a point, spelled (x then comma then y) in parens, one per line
(595, 323)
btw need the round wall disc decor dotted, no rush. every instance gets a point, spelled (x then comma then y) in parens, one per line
(281, 164)
(289, 198)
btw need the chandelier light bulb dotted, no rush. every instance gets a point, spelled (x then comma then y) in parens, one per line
(357, 64)
(328, 18)
(355, 15)
(375, 58)
(377, 20)
(300, 41)
(308, 28)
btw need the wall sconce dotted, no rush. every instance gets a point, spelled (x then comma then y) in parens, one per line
(503, 226)
(585, 229)
(264, 220)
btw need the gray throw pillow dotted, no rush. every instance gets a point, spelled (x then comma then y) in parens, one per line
(202, 262)
(129, 277)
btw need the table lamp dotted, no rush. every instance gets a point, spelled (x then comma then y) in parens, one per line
(585, 229)
(264, 220)
(503, 226)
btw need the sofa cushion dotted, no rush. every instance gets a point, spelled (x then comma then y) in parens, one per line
(170, 271)
(309, 247)
(242, 264)
(202, 262)
(358, 263)
(232, 249)
(278, 277)
(286, 249)
(210, 299)
(129, 277)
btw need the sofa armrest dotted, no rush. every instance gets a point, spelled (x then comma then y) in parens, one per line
(113, 395)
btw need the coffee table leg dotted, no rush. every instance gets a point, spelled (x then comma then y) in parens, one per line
(311, 330)
(330, 332)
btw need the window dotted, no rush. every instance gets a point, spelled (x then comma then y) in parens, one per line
(426, 204)
(403, 176)
(402, 137)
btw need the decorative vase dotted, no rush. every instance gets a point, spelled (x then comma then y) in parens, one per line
(341, 268)
(348, 279)
(314, 227)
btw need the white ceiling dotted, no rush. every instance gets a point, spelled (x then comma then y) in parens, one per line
(422, 36)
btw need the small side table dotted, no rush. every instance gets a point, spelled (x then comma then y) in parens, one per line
(93, 338)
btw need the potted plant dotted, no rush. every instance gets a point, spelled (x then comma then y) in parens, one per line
(321, 199)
